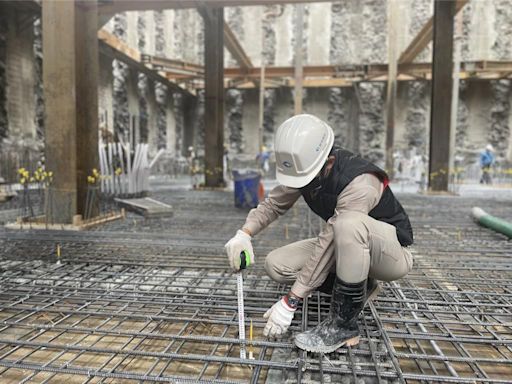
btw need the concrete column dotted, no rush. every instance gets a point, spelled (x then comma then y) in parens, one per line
(171, 125)
(250, 116)
(214, 96)
(133, 108)
(87, 79)
(70, 77)
(442, 64)
(59, 79)
(189, 116)
(152, 118)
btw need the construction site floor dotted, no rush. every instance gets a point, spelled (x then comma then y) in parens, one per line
(153, 300)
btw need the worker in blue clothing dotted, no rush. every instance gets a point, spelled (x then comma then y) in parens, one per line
(486, 162)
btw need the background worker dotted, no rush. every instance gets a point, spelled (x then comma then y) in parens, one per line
(486, 162)
(365, 238)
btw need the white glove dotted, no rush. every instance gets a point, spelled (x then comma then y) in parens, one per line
(235, 246)
(280, 317)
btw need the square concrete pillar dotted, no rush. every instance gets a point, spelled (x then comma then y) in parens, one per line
(442, 80)
(59, 80)
(70, 78)
(214, 96)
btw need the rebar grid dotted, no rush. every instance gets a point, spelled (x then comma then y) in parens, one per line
(153, 300)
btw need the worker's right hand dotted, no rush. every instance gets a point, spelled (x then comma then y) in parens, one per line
(279, 318)
(235, 246)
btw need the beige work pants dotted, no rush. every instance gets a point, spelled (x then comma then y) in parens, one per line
(363, 247)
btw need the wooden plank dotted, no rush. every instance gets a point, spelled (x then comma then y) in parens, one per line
(442, 62)
(424, 37)
(146, 207)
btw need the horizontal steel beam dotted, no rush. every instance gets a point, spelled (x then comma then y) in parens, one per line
(118, 6)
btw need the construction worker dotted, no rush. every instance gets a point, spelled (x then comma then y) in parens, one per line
(365, 239)
(486, 162)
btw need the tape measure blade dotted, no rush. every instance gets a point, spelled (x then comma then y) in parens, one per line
(241, 312)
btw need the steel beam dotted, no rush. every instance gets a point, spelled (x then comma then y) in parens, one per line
(420, 42)
(233, 46)
(115, 48)
(442, 80)
(366, 72)
(118, 6)
(214, 96)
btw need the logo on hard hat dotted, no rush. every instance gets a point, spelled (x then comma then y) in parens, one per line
(321, 143)
(287, 164)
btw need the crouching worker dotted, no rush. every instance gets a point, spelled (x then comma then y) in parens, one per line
(365, 239)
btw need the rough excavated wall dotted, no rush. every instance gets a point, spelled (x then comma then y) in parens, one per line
(417, 119)
(3, 79)
(188, 45)
(21, 81)
(317, 41)
(499, 135)
(250, 120)
(343, 103)
(234, 97)
(105, 96)
(271, 15)
(342, 32)
(143, 41)
(38, 87)
(120, 87)
(161, 93)
(374, 50)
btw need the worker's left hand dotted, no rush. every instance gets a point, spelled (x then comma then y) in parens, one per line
(279, 319)
(239, 243)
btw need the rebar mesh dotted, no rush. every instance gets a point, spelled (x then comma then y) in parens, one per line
(153, 300)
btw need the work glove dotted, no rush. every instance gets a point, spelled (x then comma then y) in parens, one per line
(279, 318)
(235, 246)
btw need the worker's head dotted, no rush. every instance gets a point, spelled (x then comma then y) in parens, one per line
(489, 148)
(302, 146)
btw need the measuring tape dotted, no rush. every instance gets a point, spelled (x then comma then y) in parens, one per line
(245, 261)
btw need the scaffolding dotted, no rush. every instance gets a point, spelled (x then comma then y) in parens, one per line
(153, 300)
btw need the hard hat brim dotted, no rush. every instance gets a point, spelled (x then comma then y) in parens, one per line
(299, 181)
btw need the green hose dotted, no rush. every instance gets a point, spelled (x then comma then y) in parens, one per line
(492, 222)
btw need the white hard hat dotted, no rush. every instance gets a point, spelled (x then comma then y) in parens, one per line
(302, 145)
(489, 147)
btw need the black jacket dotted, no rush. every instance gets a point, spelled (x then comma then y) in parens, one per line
(322, 198)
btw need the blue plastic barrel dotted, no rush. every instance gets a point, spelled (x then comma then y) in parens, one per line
(246, 188)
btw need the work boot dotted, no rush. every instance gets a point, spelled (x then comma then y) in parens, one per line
(372, 287)
(340, 328)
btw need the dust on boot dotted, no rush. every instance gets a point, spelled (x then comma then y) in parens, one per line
(340, 328)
